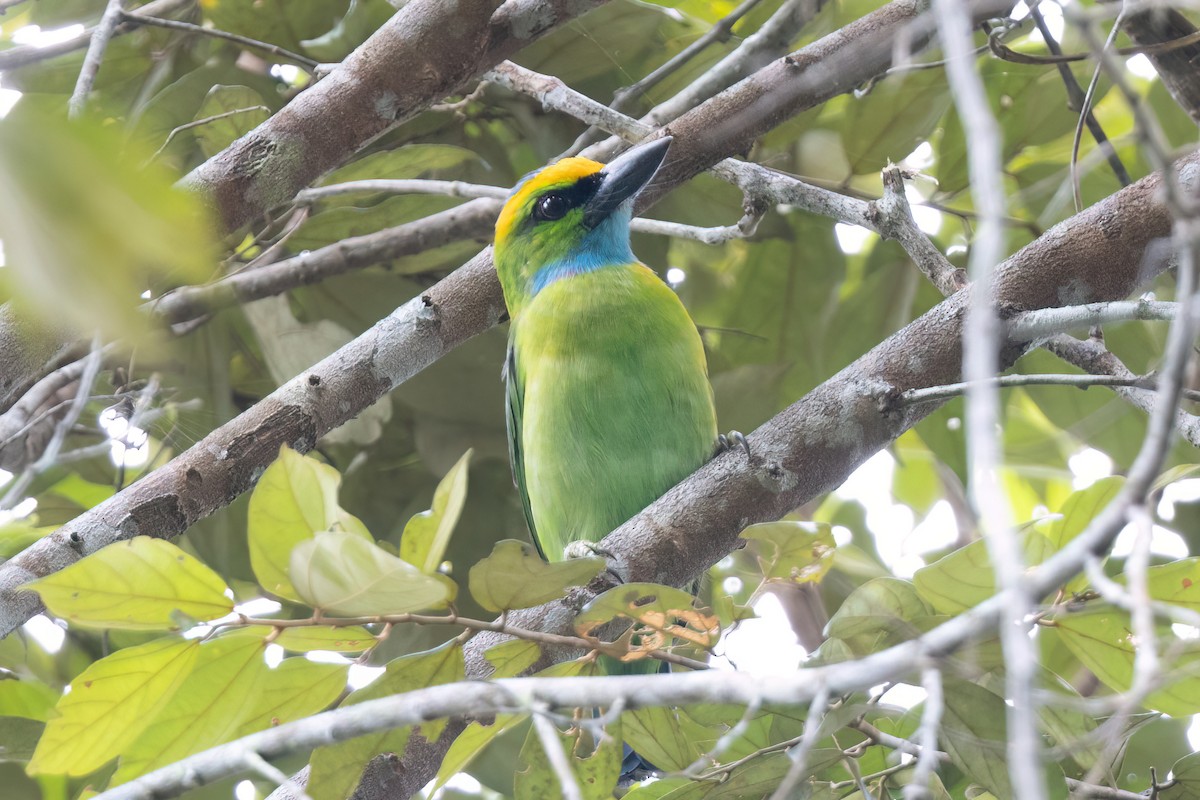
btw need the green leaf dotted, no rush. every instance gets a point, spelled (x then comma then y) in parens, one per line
(297, 688)
(800, 552)
(16, 535)
(756, 778)
(350, 639)
(140, 584)
(513, 657)
(348, 576)
(110, 704)
(336, 768)
(595, 774)
(1081, 508)
(208, 708)
(471, 742)
(514, 576)
(295, 498)
(1177, 583)
(1186, 773)
(27, 699)
(130, 228)
(1101, 637)
(666, 737)
(963, 579)
(215, 135)
(18, 738)
(426, 535)
(879, 614)
(974, 734)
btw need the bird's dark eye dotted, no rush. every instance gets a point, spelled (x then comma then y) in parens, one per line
(550, 207)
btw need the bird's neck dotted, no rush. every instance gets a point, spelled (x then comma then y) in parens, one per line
(607, 245)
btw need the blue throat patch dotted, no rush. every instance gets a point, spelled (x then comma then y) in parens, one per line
(606, 245)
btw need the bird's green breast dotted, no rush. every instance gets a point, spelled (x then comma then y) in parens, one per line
(616, 403)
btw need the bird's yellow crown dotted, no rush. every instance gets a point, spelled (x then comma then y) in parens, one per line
(562, 173)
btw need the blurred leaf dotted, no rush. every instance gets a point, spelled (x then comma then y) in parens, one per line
(1103, 641)
(915, 481)
(208, 709)
(110, 704)
(801, 552)
(336, 768)
(349, 639)
(274, 21)
(515, 576)
(18, 738)
(59, 176)
(362, 18)
(892, 118)
(471, 742)
(1177, 583)
(666, 737)
(966, 577)
(214, 135)
(595, 774)
(16, 535)
(659, 613)
(513, 657)
(348, 576)
(290, 347)
(426, 535)
(27, 699)
(1081, 508)
(1186, 775)
(878, 614)
(295, 498)
(974, 733)
(138, 584)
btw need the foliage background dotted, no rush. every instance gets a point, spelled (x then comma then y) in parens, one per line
(87, 229)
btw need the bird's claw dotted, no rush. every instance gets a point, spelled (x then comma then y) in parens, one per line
(584, 549)
(727, 441)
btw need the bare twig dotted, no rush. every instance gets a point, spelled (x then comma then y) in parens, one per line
(940, 393)
(94, 56)
(981, 347)
(245, 41)
(931, 720)
(198, 122)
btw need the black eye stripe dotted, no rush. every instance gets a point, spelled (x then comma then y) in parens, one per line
(572, 196)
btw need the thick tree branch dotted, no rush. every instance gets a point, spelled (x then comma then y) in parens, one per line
(428, 50)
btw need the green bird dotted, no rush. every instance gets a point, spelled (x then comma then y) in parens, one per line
(609, 403)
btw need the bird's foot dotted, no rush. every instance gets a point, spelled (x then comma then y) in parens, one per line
(585, 549)
(728, 441)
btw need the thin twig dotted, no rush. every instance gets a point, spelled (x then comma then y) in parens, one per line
(945, 392)
(198, 122)
(799, 754)
(1076, 99)
(931, 720)
(94, 56)
(245, 41)
(272, 773)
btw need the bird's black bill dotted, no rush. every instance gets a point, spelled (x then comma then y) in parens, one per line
(624, 178)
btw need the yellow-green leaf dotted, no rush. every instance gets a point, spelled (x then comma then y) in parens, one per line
(963, 579)
(1081, 508)
(140, 584)
(295, 498)
(110, 704)
(207, 710)
(1102, 639)
(595, 774)
(513, 657)
(427, 534)
(296, 688)
(336, 768)
(350, 576)
(350, 639)
(27, 699)
(471, 742)
(1177, 583)
(514, 576)
(799, 552)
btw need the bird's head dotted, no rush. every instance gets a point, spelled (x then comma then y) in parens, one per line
(568, 218)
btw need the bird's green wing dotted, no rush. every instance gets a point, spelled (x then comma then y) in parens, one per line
(515, 392)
